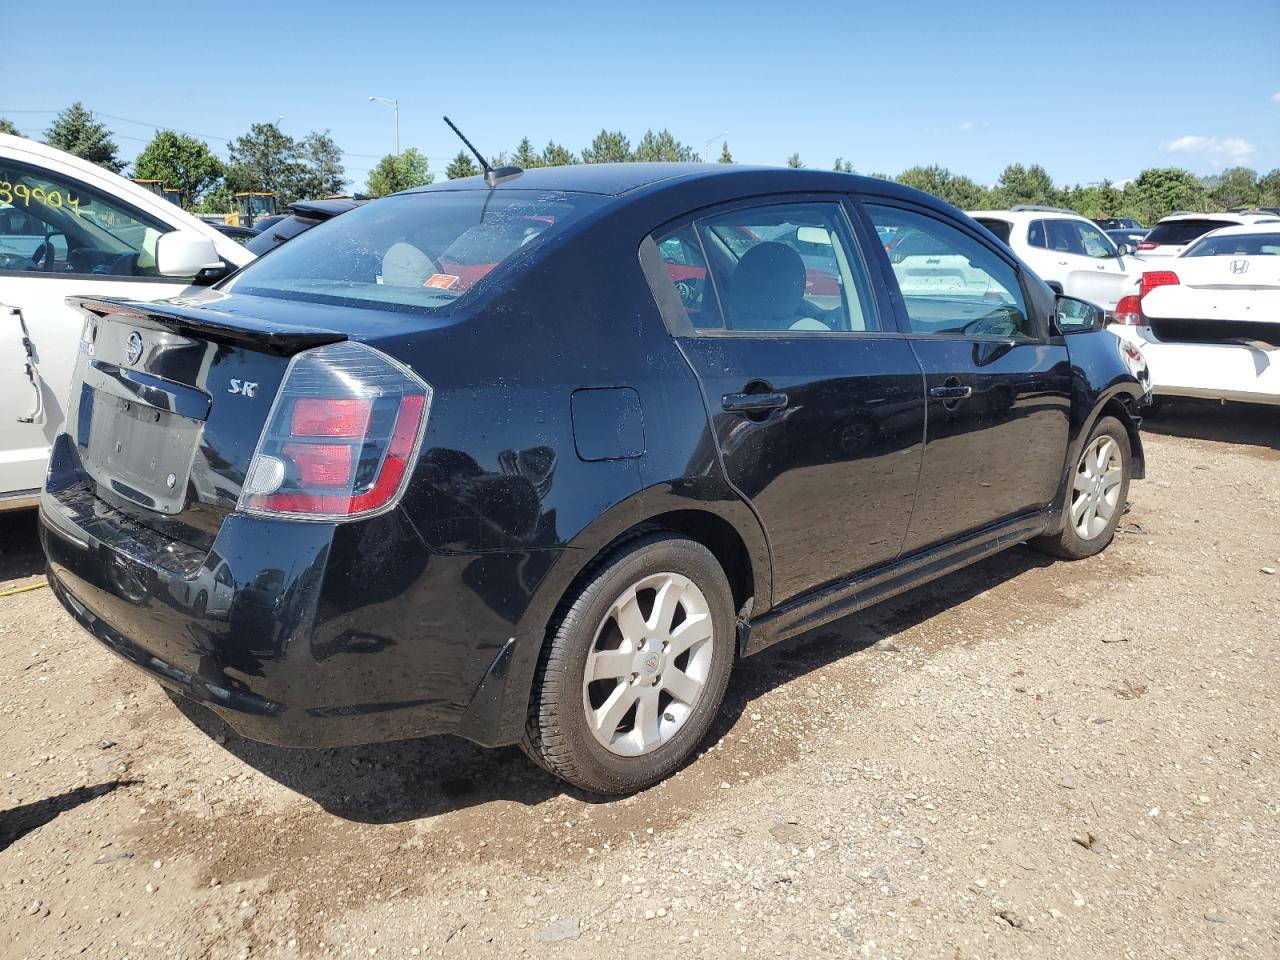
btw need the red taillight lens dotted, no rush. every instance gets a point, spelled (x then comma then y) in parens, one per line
(341, 437)
(1157, 278)
(1129, 311)
(330, 417)
(1147, 245)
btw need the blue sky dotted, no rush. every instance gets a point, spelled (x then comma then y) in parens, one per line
(1089, 90)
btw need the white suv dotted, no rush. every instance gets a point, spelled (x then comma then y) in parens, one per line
(1067, 251)
(1176, 232)
(67, 228)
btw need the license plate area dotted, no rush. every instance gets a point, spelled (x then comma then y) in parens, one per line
(140, 452)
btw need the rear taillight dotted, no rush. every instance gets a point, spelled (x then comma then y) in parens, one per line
(1129, 311)
(341, 437)
(1157, 278)
(1147, 245)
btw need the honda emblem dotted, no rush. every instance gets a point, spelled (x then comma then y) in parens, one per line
(1239, 266)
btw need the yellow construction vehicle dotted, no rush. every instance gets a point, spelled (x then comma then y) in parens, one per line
(250, 208)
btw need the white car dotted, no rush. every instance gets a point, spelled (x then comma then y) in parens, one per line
(1070, 253)
(68, 228)
(1174, 233)
(1208, 321)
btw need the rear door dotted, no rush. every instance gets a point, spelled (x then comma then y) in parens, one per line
(815, 399)
(999, 387)
(1101, 275)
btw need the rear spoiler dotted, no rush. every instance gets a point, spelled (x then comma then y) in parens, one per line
(264, 335)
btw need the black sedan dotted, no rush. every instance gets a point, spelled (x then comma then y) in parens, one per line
(538, 462)
(303, 215)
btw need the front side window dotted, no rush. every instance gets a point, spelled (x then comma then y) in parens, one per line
(52, 224)
(959, 286)
(1063, 237)
(413, 251)
(1094, 242)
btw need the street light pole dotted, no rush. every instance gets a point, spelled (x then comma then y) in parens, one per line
(395, 109)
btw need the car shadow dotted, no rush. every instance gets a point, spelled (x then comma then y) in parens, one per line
(413, 779)
(1253, 424)
(20, 553)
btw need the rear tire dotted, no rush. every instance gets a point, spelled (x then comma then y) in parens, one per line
(1097, 491)
(654, 625)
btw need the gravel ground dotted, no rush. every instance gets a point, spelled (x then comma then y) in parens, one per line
(1024, 759)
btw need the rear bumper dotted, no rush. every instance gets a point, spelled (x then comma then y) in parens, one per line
(274, 629)
(1217, 371)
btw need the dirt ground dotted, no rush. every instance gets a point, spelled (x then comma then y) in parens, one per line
(1026, 759)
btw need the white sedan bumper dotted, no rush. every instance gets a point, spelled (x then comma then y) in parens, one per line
(1218, 371)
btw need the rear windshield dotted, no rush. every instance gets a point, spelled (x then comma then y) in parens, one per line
(1001, 228)
(1237, 245)
(415, 251)
(1178, 232)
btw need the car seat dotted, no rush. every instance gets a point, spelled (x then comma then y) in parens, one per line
(767, 290)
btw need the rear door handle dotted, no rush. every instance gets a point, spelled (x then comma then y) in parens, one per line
(951, 393)
(752, 402)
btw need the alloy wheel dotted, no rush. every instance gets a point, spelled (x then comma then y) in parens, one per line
(648, 664)
(1095, 495)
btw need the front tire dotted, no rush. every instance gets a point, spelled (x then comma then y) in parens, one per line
(635, 669)
(1096, 494)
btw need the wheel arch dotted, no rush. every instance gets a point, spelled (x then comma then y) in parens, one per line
(726, 527)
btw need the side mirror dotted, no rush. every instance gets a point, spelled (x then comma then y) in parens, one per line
(814, 235)
(1078, 316)
(1124, 250)
(185, 253)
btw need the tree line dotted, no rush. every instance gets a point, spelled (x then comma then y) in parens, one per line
(268, 160)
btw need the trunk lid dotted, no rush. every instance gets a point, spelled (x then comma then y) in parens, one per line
(167, 404)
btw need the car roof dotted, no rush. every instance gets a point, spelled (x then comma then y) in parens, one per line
(1243, 218)
(619, 179)
(1018, 216)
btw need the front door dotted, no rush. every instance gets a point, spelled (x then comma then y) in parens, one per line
(999, 386)
(1083, 258)
(815, 400)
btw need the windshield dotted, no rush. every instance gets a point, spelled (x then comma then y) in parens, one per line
(1237, 245)
(413, 251)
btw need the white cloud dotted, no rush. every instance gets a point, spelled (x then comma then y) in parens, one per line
(1218, 151)
(970, 125)
(1275, 98)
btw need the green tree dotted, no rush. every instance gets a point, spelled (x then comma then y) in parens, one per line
(322, 171)
(554, 155)
(843, 166)
(76, 131)
(461, 166)
(217, 200)
(525, 157)
(6, 126)
(1269, 189)
(266, 159)
(181, 163)
(609, 146)
(794, 162)
(955, 189)
(396, 172)
(1019, 184)
(1234, 187)
(662, 147)
(725, 155)
(1159, 191)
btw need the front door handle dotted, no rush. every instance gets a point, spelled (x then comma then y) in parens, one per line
(951, 392)
(752, 402)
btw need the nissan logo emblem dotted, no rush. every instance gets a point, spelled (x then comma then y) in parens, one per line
(133, 348)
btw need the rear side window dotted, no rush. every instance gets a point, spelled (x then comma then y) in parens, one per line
(415, 251)
(783, 267)
(1178, 232)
